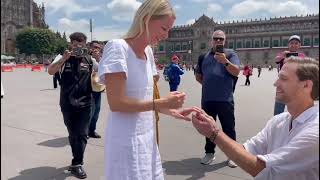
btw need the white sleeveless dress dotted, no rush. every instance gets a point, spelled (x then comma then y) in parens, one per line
(131, 152)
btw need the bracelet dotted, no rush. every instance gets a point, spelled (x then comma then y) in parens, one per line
(214, 135)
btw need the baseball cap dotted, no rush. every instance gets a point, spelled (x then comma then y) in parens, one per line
(175, 57)
(294, 37)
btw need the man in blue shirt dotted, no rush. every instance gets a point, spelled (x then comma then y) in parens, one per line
(216, 71)
(174, 72)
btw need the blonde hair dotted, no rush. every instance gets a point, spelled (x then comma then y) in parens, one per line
(150, 9)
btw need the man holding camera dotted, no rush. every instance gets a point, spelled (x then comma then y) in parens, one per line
(217, 71)
(76, 100)
(293, 47)
(97, 89)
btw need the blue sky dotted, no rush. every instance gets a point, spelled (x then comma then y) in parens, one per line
(112, 18)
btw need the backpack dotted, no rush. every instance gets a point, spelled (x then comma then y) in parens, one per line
(200, 60)
(167, 73)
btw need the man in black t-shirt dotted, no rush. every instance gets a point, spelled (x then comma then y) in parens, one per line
(75, 68)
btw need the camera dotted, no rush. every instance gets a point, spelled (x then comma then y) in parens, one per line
(219, 48)
(292, 54)
(80, 52)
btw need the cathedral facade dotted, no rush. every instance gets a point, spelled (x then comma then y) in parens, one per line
(16, 15)
(256, 41)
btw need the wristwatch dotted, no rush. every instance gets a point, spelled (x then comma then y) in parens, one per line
(226, 64)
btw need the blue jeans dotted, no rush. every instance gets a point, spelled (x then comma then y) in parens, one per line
(278, 108)
(95, 111)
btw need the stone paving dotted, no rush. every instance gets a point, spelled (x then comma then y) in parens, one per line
(34, 144)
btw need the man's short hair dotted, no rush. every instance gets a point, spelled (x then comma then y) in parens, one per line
(78, 36)
(94, 41)
(308, 69)
(221, 33)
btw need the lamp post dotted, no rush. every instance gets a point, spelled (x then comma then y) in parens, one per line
(189, 51)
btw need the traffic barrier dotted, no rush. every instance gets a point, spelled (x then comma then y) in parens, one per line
(36, 68)
(6, 68)
(20, 66)
(28, 65)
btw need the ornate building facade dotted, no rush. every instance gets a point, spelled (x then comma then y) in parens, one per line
(16, 15)
(255, 41)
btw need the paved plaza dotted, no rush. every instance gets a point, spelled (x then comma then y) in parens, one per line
(34, 144)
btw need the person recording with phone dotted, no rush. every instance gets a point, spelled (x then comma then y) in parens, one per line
(75, 67)
(217, 72)
(294, 43)
(97, 88)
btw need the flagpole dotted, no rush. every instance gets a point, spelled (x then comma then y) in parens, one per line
(91, 28)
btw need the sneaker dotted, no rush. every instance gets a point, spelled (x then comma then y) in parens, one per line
(208, 158)
(78, 171)
(232, 164)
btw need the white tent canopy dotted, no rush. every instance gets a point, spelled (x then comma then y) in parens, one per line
(7, 57)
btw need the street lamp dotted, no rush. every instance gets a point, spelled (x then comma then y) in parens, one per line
(189, 51)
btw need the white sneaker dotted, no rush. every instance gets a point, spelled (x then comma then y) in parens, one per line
(232, 164)
(208, 158)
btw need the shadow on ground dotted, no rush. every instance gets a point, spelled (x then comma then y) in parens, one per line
(190, 167)
(47, 89)
(57, 143)
(43, 173)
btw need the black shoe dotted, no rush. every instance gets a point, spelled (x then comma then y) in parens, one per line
(94, 135)
(78, 171)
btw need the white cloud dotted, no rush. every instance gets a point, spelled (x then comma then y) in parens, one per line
(289, 7)
(99, 33)
(177, 7)
(214, 9)
(254, 8)
(107, 33)
(201, 1)
(123, 10)
(69, 7)
(247, 7)
(191, 21)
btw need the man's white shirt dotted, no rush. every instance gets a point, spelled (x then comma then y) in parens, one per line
(289, 155)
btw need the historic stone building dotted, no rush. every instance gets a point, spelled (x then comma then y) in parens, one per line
(16, 15)
(256, 41)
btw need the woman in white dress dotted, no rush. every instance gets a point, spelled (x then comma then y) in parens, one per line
(127, 69)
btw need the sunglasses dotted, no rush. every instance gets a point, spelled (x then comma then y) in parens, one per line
(216, 39)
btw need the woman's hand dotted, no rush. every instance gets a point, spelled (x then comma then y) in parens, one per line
(174, 100)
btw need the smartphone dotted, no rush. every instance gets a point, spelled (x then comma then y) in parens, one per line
(219, 48)
(292, 54)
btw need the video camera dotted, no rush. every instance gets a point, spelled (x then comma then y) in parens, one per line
(80, 52)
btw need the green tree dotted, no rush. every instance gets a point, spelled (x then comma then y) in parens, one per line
(61, 45)
(64, 36)
(36, 41)
(58, 34)
(163, 60)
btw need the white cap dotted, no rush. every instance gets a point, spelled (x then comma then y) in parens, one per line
(294, 37)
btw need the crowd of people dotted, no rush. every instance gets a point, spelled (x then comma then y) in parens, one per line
(286, 148)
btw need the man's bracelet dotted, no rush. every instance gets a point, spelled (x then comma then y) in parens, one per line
(214, 135)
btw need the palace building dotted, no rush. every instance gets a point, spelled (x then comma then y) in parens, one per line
(256, 41)
(16, 15)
